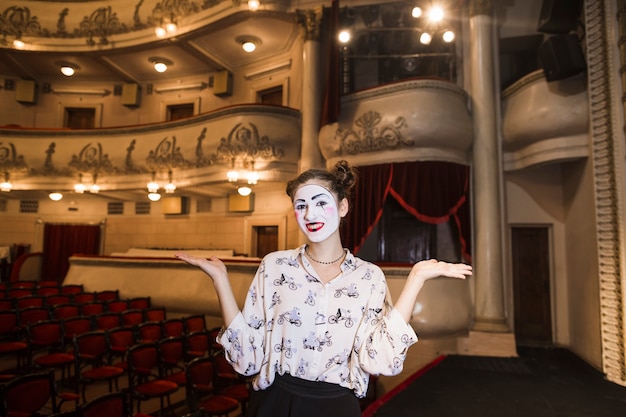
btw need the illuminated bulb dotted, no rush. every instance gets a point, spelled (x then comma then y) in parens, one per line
(153, 186)
(154, 196)
(435, 14)
(425, 38)
(448, 36)
(160, 32)
(94, 189)
(252, 178)
(67, 70)
(253, 5)
(232, 176)
(244, 191)
(344, 36)
(79, 187)
(160, 67)
(248, 46)
(18, 44)
(170, 187)
(416, 12)
(55, 196)
(171, 27)
(6, 186)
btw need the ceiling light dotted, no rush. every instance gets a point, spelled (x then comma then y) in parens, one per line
(253, 5)
(19, 44)
(425, 38)
(244, 191)
(448, 36)
(55, 196)
(248, 43)
(248, 46)
(416, 12)
(67, 71)
(160, 64)
(154, 196)
(435, 14)
(344, 36)
(94, 189)
(160, 67)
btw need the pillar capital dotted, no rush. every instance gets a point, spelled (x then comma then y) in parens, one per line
(311, 21)
(480, 7)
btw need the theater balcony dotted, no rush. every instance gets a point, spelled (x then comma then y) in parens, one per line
(194, 152)
(544, 122)
(417, 119)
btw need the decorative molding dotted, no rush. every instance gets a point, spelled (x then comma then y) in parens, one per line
(264, 72)
(608, 160)
(370, 136)
(310, 20)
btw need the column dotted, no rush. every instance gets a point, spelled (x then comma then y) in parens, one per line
(490, 313)
(310, 155)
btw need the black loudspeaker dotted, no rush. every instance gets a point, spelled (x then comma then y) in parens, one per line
(561, 56)
(559, 16)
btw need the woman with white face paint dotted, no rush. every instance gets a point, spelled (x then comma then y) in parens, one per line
(318, 321)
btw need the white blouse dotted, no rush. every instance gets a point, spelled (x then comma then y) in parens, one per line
(339, 332)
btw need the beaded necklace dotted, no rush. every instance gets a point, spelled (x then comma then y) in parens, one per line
(306, 250)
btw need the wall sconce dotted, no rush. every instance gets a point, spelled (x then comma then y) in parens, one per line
(153, 186)
(249, 175)
(170, 187)
(160, 64)
(6, 186)
(95, 188)
(79, 187)
(55, 196)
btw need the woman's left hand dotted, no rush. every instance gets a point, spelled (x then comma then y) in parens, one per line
(432, 268)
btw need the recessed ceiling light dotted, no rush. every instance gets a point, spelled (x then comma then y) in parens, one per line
(55, 196)
(160, 64)
(248, 43)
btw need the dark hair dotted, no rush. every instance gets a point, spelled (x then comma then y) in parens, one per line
(340, 180)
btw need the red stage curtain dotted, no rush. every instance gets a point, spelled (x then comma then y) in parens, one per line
(62, 241)
(433, 192)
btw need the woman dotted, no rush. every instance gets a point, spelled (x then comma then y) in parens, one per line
(317, 320)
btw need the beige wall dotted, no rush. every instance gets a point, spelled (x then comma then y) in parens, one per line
(534, 198)
(582, 261)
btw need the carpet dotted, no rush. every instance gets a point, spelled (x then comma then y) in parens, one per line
(539, 383)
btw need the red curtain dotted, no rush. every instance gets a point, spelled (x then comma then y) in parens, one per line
(433, 192)
(62, 241)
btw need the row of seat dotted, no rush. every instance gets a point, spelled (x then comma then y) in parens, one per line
(205, 391)
(156, 368)
(109, 299)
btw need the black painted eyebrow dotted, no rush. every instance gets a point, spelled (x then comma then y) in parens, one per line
(312, 198)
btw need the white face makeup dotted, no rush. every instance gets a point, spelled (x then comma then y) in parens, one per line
(316, 212)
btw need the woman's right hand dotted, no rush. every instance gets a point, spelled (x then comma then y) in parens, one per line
(212, 266)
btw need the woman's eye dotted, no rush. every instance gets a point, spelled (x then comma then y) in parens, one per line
(300, 207)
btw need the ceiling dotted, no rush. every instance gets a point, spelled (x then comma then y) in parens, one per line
(203, 43)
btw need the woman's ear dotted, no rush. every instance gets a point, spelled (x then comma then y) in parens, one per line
(344, 206)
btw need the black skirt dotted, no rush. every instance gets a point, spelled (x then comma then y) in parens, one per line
(295, 397)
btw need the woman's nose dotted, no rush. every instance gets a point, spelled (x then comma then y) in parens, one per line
(308, 213)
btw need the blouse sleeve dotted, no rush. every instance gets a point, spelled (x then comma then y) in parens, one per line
(383, 338)
(244, 338)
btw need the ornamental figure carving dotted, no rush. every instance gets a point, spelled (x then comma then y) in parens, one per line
(371, 135)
